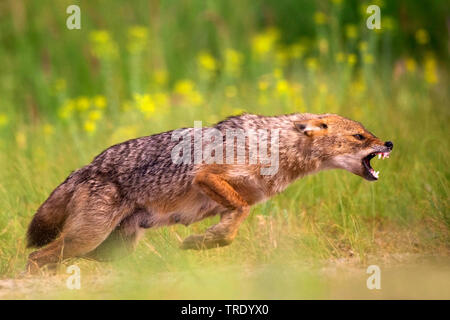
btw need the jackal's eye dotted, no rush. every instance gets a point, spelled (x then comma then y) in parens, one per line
(359, 136)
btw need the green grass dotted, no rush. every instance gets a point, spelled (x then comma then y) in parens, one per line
(330, 219)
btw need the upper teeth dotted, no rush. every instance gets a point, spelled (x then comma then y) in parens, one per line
(383, 155)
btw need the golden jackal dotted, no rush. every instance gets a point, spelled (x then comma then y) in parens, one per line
(138, 184)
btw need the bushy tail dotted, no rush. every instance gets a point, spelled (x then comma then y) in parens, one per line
(49, 219)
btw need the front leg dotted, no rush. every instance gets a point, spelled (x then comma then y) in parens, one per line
(225, 231)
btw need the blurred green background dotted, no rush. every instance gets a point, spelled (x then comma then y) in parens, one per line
(144, 46)
(141, 67)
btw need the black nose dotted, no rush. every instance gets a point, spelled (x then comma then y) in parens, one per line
(389, 144)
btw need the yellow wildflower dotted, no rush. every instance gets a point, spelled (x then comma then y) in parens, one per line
(145, 104)
(351, 59)
(94, 115)
(66, 110)
(83, 103)
(100, 37)
(184, 87)
(351, 31)
(100, 101)
(411, 65)
(430, 71)
(138, 32)
(282, 87)
(89, 126)
(264, 42)
(422, 36)
(103, 45)
(207, 62)
(3, 120)
(320, 18)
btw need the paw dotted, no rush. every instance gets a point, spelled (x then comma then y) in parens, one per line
(31, 269)
(193, 242)
(204, 241)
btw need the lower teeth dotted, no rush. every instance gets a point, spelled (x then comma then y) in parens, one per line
(375, 173)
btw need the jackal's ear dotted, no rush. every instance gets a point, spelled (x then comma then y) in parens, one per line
(312, 127)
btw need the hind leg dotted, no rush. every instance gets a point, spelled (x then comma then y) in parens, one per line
(94, 214)
(123, 240)
(66, 246)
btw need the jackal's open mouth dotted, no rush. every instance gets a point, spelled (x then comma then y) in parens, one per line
(369, 173)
